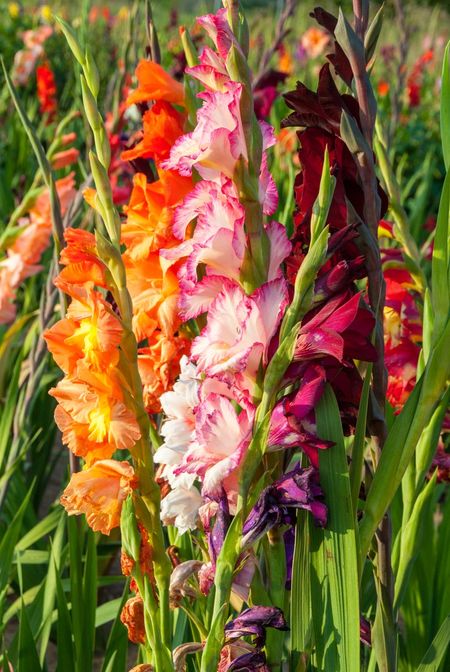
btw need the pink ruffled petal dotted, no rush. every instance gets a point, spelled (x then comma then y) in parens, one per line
(280, 248)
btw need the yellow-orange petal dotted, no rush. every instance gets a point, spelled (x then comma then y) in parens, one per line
(99, 492)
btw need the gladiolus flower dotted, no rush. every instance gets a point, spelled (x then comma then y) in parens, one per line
(342, 328)
(65, 158)
(163, 125)
(239, 329)
(221, 440)
(154, 291)
(94, 401)
(253, 623)
(298, 489)
(383, 88)
(159, 366)
(99, 493)
(239, 656)
(46, 90)
(150, 213)
(155, 84)
(90, 332)
(81, 259)
(315, 41)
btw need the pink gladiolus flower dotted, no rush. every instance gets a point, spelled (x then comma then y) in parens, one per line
(218, 29)
(239, 330)
(211, 71)
(221, 440)
(217, 141)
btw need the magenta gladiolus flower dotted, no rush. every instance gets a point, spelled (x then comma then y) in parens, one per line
(342, 328)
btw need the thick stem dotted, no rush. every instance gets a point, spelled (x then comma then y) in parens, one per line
(376, 292)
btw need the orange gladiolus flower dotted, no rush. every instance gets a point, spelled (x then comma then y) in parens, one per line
(90, 332)
(99, 492)
(94, 401)
(285, 61)
(81, 259)
(155, 84)
(314, 41)
(163, 125)
(65, 158)
(26, 251)
(35, 238)
(75, 436)
(159, 366)
(150, 212)
(154, 290)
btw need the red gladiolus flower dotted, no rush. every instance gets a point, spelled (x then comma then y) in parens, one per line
(46, 90)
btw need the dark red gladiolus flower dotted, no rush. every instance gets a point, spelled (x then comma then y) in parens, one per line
(46, 90)
(365, 634)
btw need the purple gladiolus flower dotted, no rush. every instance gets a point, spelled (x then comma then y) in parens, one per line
(298, 489)
(254, 661)
(253, 622)
(250, 623)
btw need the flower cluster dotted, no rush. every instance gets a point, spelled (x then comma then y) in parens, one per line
(211, 409)
(151, 280)
(93, 412)
(338, 329)
(31, 239)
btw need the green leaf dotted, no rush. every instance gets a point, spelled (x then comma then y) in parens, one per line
(107, 612)
(75, 531)
(445, 107)
(89, 600)
(411, 540)
(42, 528)
(403, 438)
(339, 548)
(301, 621)
(7, 545)
(64, 636)
(28, 658)
(373, 33)
(50, 588)
(440, 265)
(437, 650)
(115, 659)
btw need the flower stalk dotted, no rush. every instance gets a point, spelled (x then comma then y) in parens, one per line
(147, 498)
